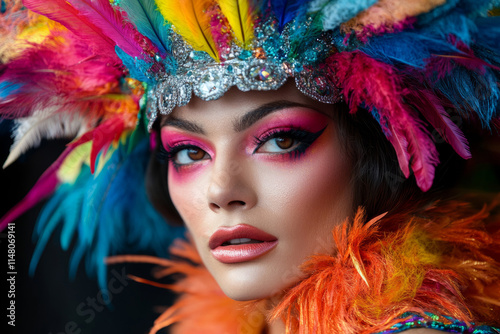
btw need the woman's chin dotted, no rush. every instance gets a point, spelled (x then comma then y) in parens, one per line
(244, 283)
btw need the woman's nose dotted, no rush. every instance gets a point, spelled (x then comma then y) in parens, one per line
(230, 188)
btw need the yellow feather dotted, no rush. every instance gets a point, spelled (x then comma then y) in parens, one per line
(71, 167)
(191, 20)
(240, 18)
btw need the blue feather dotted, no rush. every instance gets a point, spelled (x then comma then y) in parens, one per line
(453, 23)
(8, 88)
(137, 67)
(149, 22)
(336, 12)
(437, 12)
(472, 93)
(412, 48)
(473, 8)
(489, 35)
(287, 10)
(107, 213)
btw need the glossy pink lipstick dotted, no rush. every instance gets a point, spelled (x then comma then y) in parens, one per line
(240, 243)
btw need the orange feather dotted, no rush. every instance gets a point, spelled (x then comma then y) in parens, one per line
(444, 260)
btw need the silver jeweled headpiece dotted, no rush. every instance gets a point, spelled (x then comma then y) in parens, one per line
(266, 66)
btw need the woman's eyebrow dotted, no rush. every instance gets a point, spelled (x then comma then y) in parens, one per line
(239, 125)
(183, 125)
(255, 115)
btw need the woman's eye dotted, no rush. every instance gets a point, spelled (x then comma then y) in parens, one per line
(189, 155)
(278, 144)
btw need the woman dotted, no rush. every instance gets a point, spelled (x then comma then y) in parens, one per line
(262, 160)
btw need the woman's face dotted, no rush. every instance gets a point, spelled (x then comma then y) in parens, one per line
(260, 180)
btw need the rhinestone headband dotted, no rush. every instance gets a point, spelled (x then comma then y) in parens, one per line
(266, 66)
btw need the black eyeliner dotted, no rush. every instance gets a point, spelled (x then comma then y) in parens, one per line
(305, 139)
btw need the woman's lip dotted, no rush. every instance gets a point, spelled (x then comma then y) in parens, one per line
(225, 234)
(241, 252)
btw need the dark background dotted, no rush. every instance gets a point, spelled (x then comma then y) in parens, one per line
(48, 301)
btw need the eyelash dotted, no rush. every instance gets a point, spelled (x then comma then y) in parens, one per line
(165, 155)
(304, 138)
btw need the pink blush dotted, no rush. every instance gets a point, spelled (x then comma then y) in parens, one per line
(171, 138)
(186, 173)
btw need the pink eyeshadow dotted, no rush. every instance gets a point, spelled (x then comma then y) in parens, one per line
(305, 119)
(172, 137)
(296, 118)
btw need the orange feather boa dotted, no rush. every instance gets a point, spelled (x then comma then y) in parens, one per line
(444, 260)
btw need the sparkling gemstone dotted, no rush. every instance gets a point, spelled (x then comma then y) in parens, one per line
(260, 73)
(209, 83)
(245, 54)
(321, 86)
(259, 53)
(287, 67)
(310, 55)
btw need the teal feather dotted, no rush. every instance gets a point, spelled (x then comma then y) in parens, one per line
(149, 22)
(137, 68)
(110, 213)
(7, 88)
(336, 12)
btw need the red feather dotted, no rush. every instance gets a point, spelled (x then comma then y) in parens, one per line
(102, 136)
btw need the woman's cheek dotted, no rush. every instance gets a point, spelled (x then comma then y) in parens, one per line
(187, 173)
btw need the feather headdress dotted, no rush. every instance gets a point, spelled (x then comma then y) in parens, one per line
(100, 72)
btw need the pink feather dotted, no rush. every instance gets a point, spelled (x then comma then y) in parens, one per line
(62, 12)
(60, 73)
(400, 144)
(375, 85)
(115, 25)
(433, 111)
(45, 186)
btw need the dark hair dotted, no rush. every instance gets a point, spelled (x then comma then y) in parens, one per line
(379, 185)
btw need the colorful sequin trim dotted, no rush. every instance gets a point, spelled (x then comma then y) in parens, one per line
(441, 323)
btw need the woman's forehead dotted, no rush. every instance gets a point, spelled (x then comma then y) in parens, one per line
(237, 103)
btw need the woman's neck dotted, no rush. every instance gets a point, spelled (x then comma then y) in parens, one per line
(276, 327)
